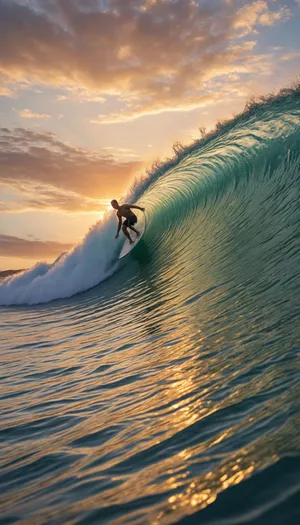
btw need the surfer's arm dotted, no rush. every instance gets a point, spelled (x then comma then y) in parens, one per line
(119, 226)
(136, 207)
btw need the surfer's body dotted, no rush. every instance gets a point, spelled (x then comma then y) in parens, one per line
(124, 210)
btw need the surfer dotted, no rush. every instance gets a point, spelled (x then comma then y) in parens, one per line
(130, 218)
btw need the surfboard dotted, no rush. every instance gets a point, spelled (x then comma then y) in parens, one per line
(140, 226)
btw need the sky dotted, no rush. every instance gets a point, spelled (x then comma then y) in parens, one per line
(92, 92)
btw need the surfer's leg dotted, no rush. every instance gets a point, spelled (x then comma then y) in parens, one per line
(126, 233)
(130, 224)
(134, 230)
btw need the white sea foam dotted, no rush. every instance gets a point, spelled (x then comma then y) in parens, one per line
(85, 266)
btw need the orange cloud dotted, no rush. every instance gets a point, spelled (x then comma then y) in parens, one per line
(152, 55)
(11, 246)
(48, 173)
(27, 113)
(258, 13)
(41, 159)
(290, 56)
(5, 91)
(30, 196)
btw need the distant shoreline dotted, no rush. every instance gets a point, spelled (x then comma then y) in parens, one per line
(7, 273)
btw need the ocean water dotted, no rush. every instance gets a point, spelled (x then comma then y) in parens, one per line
(165, 388)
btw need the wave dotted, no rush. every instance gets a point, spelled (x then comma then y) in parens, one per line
(85, 266)
(259, 146)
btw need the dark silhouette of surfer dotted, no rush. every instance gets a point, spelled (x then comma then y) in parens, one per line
(124, 210)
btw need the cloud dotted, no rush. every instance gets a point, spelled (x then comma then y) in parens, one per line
(5, 91)
(27, 113)
(121, 152)
(290, 56)
(50, 173)
(258, 13)
(125, 116)
(30, 196)
(80, 95)
(153, 55)
(11, 246)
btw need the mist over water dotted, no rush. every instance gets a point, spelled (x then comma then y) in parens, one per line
(165, 388)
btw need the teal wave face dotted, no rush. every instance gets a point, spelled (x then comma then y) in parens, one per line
(229, 207)
(251, 146)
